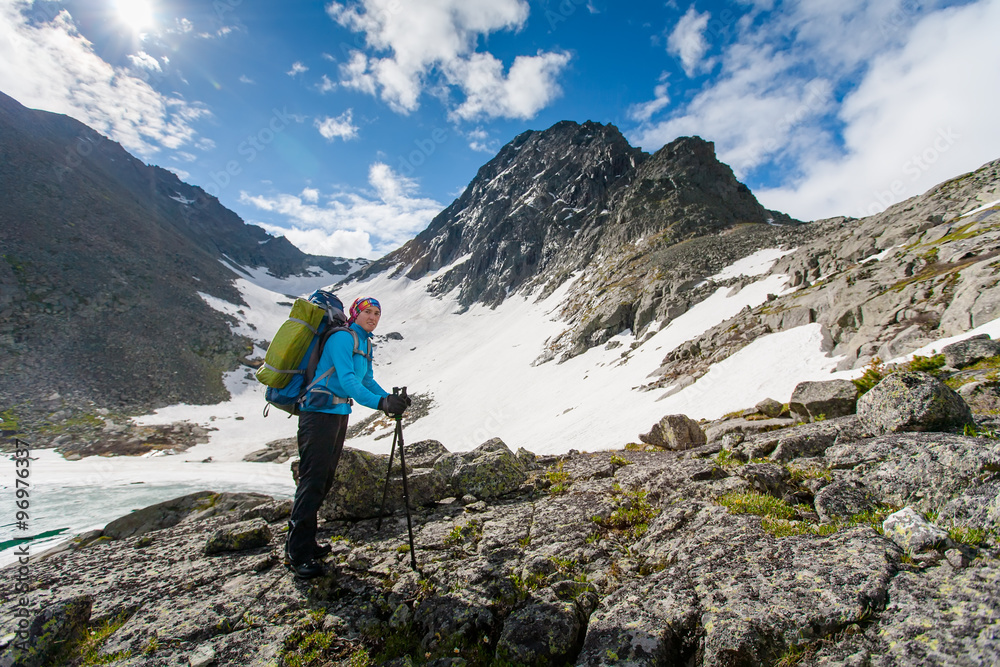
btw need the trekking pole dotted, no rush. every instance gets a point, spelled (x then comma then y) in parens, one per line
(406, 491)
(397, 436)
(388, 473)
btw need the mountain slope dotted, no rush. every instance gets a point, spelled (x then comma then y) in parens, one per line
(103, 260)
(578, 197)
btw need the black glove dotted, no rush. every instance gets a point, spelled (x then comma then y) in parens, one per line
(393, 404)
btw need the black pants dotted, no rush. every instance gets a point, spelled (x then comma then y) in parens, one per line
(321, 440)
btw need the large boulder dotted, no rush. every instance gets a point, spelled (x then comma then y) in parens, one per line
(241, 536)
(677, 432)
(360, 482)
(912, 401)
(56, 627)
(969, 351)
(191, 507)
(824, 400)
(424, 453)
(488, 471)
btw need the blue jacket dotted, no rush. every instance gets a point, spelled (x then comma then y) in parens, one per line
(352, 376)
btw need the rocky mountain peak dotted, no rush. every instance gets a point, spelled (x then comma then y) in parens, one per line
(522, 207)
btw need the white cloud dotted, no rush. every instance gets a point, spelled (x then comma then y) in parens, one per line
(50, 66)
(528, 87)
(687, 41)
(245, 79)
(902, 73)
(339, 127)
(326, 85)
(415, 46)
(180, 173)
(479, 141)
(145, 61)
(920, 117)
(297, 68)
(355, 74)
(351, 224)
(646, 110)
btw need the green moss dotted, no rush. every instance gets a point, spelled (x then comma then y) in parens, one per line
(754, 502)
(11, 424)
(632, 513)
(89, 650)
(558, 479)
(620, 460)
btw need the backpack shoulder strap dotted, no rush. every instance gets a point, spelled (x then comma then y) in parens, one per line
(357, 346)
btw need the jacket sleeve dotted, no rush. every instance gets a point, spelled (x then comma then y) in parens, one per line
(342, 353)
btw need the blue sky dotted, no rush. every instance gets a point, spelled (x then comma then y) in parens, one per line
(347, 125)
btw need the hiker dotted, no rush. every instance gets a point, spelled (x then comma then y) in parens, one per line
(344, 375)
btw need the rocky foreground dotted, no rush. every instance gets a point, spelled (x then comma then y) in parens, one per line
(870, 538)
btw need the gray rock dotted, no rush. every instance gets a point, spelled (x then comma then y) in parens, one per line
(426, 485)
(241, 536)
(528, 460)
(676, 432)
(203, 656)
(803, 441)
(737, 617)
(925, 470)
(424, 453)
(489, 471)
(192, 507)
(842, 500)
(57, 626)
(769, 407)
(969, 351)
(912, 532)
(545, 632)
(829, 399)
(956, 558)
(271, 512)
(917, 629)
(912, 401)
(765, 477)
(976, 507)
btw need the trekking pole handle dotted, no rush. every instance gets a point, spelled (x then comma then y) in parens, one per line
(399, 391)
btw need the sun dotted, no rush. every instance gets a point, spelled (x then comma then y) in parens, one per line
(136, 14)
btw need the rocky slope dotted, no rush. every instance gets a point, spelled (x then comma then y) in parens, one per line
(882, 286)
(866, 539)
(102, 259)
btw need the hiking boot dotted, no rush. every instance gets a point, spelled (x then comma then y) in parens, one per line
(320, 551)
(308, 570)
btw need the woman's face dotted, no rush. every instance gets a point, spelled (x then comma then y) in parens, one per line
(368, 318)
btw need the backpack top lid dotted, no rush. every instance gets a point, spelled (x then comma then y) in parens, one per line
(328, 301)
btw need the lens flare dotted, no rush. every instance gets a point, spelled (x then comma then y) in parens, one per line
(137, 15)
